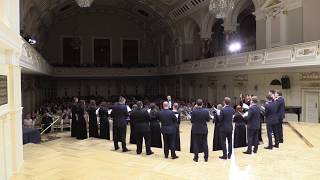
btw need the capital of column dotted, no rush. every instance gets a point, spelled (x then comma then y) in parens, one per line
(230, 27)
(205, 35)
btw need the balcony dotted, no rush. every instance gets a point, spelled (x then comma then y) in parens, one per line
(298, 55)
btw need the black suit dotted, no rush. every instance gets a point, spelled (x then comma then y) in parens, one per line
(272, 121)
(74, 121)
(168, 128)
(281, 116)
(141, 120)
(199, 132)
(226, 117)
(119, 115)
(253, 125)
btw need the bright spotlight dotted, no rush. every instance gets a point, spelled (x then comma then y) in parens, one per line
(235, 46)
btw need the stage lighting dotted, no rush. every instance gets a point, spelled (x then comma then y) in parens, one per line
(235, 46)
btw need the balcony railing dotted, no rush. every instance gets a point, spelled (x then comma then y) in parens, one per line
(298, 55)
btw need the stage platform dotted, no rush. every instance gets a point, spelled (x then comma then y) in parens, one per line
(94, 159)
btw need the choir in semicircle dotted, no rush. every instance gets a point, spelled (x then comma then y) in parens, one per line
(161, 118)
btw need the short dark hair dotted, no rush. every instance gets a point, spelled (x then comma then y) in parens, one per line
(272, 91)
(255, 99)
(268, 97)
(199, 102)
(279, 92)
(227, 100)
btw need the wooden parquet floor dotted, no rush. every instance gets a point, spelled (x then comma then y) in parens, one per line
(94, 159)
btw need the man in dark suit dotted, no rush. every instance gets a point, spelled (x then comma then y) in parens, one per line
(199, 130)
(141, 120)
(253, 125)
(226, 116)
(272, 121)
(168, 128)
(281, 113)
(119, 115)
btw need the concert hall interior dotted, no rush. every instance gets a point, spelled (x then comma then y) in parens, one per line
(168, 79)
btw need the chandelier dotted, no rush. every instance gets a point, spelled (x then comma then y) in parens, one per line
(84, 3)
(220, 8)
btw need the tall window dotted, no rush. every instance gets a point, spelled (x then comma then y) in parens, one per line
(102, 52)
(130, 52)
(71, 51)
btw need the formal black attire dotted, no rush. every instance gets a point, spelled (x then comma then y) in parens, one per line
(253, 125)
(81, 125)
(119, 114)
(74, 121)
(199, 132)
(155, 130)
(240, 131)
(272, 121)
(168, 128)
(141, 120)
(226, 117)
(281, 115)
(216, 133)
(93, 123)
(133, 137)
(178, 148)
(104, 123)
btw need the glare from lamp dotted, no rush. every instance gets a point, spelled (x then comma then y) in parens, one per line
(32, 41)
(235, 46)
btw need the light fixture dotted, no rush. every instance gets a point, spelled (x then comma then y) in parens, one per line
(275, 82)
(220, 8)
(84, 3)
(235, 46)
(32, 41)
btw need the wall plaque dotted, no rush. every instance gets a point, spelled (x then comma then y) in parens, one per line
(3, 90)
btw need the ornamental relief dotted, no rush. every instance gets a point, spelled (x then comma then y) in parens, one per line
(309, 76)
(311, 51)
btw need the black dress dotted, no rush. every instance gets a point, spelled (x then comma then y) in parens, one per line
(104, 123)
(240, 131)
(74, 121)
(178, 148)
(133, 136)
(155, 131)
(93, 124)
(216, 134)
(81, 125)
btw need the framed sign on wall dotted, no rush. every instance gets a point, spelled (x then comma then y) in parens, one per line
(3, 90)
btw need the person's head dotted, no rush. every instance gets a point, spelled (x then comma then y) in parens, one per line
(152, 106)
(103, 104)
(272, 93)
(75, 99)
(227, 101)
(239, 108)
(269, 97)
(254, 100)
(248, 97)
(241, 96)
(219, 106)
(134, 107)
(82, 104)
(278, 93)
(165, 105)
(92, 103)
(122, 100)
(199, 102)
(169, 98)
(175, 106)
(139, 104)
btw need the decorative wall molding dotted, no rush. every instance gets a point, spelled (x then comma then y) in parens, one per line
(310, 76)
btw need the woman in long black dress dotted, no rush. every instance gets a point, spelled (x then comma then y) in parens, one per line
(82, 124)
(240, 131)
(74, 121)
(104, 121)
(155, 127)
(216, 134)
(175, 110)
(133, 137)
(93, 124)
